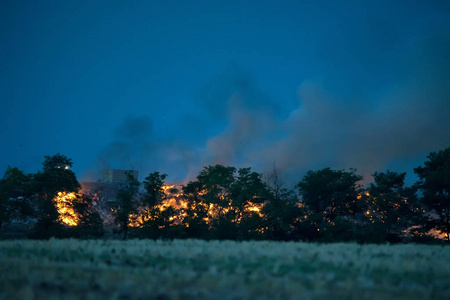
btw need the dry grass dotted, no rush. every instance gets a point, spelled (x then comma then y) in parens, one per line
(183, 269)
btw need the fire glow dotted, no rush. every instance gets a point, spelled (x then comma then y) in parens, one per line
(64, 205)
(177, 200)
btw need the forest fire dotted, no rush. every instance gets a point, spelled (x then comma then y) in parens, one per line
(176, 200)
(63, 202)
(173, 198)
(228, 203)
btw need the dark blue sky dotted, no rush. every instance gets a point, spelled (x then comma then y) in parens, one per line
(171, 86)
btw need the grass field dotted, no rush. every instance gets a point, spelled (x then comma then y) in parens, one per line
(194, 269)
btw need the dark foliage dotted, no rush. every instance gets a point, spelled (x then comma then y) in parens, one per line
(90, 224)
(55, 177)
(126, 203)
(435, 185)
(16, 191)
(330, 200)
(237, 204)
(282, 211)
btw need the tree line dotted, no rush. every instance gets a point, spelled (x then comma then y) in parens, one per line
(224, 202)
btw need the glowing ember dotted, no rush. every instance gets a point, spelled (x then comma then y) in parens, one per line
(136, 220)
(255, 207)
(67, 214)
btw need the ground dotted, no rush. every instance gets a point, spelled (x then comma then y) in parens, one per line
(183, 269)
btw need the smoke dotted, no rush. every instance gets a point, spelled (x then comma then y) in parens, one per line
(251, 125)
(135, 145)
(394, 130)
(370, 131)
(380, 100)
(326, 132)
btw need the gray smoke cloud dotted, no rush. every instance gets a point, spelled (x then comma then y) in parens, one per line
(387, 109)
(395, 128)
(136, 146)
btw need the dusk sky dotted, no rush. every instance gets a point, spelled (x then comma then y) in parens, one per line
(172, 86)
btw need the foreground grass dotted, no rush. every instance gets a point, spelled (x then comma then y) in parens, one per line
(194, 269)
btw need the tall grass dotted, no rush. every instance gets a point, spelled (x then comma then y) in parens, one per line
(180, 269)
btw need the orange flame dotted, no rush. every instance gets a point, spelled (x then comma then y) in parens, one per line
(255, 207)
(177, 200)
(67, 214)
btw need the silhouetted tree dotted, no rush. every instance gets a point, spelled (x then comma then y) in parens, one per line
(16, 190)
(154, 192)
(281, 211)
(391, 207)
(90, 224)
(225, 200)
(126, 204)
(216, 182)
(195, 221)
(434, 182)
(332, 193)
(229, 203)
(55, 177)
(157, 222)
(326, 195)
(248, 193)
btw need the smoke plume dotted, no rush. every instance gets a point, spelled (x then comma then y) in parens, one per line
(338, 121)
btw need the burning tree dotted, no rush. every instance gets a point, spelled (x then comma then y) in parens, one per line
(63, 202)
(55, 180)
(225, 201)
(157, 216)
(228, 203)
(196, 217)
(221, 203)
(248, 194)
(52, 197)
(89, 223)
(78, 212)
